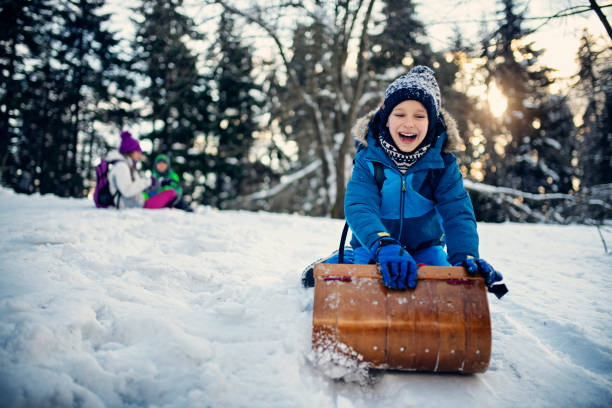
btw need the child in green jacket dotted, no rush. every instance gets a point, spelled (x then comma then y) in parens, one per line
(168, 179)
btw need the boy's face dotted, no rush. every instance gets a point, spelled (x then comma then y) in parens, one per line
(408, 125)
(161, 167)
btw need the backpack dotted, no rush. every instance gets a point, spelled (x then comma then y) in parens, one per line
(102, 195)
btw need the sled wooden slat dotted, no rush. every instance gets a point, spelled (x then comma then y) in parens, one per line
(443, 325)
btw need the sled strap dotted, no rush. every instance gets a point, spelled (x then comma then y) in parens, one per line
(342, 241)
(379, 176)
(498, 290)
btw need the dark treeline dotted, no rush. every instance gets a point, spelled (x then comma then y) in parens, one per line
(275, 134)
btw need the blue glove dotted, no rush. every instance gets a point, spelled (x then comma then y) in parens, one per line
(398, 268)
(475, 266)
(362, 255)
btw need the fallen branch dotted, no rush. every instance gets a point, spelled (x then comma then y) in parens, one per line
(491, 190)
(285, 182)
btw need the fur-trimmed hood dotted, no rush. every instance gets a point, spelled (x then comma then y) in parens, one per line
(453, 140)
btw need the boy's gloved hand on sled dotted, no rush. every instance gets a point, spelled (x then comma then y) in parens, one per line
(398, 268)
(475, 266)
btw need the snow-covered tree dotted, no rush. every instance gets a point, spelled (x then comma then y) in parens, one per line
(331, 109)
(234, 108)
(162, 57)
(401, 40)
(175, 91)
(58, 65)
(533, 143)
(595, 133)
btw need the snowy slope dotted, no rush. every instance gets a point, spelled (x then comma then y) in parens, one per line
(164, 308)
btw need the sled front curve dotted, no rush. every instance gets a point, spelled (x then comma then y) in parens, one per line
(443, 325)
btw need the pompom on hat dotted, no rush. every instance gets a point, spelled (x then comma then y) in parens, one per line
(128, 143)
(419, 85)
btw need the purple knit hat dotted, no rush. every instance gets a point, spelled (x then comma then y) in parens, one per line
(128, 143)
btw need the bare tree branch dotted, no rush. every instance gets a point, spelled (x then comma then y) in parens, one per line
(349, 16)
(362, 65)
(488, 189)
(602, 17)
(567, 12)
(273, 35)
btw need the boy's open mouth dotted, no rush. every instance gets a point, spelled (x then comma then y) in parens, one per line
(407, 137)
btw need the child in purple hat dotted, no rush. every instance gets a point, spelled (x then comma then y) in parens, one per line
(126, 185)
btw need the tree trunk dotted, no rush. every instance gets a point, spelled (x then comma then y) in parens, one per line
(341, 177)
(351, 116)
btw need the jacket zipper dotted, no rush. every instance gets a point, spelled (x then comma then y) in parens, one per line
(402, 199)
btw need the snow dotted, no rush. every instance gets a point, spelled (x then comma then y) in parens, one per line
(138, 308)
(326, 93)
(553, 143)
(549, 172)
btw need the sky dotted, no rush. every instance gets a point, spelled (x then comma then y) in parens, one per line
(559, 37)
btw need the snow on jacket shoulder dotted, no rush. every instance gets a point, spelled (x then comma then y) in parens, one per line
(129, 184)
(426, 206)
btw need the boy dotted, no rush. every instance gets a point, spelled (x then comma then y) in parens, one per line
(421, 205)
(168, 180)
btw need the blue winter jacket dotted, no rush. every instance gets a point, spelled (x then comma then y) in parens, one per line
(426, 206)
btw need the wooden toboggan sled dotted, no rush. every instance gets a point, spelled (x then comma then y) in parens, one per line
(442, 326)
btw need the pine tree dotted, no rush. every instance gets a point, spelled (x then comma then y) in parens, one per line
(313, 62)
(536, 157)
(595, 134)
(235, 109)
(91, 58)
(175, 91)
(22, 26)
(63, 82)
(400, 41)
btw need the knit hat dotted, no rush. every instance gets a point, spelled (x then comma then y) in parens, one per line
(162, 158)
(128, 143)
(419, 85)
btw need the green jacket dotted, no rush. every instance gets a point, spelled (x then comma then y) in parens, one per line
(169, 174)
